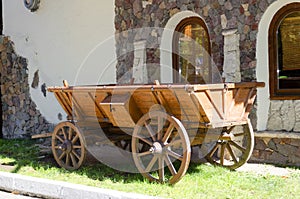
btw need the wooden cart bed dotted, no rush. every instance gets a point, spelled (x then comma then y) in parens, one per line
(162, 122)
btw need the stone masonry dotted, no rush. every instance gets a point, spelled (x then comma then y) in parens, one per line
(20, 116)
(219, 15)
(280, 148)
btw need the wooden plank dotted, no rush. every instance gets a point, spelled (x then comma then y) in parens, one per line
(214, 102)
(64, 103)
(189, 109)
(121, 109)
(99, 113)
(44, 135)
(206, 107)
(238, 104)
(83, 105)
(250, 102)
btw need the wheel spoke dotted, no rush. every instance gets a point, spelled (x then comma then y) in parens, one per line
(231, 153)
(77, 146)
(145, 140)
(68, 159)
(64, 133)
(237, 146)
(161, 169)
(212, 152)
(175, 155)
(239, 134)
(62, 155)
(168, 133)
(150, 131)
(174, 143)
(59, 138)
(75, 154)
(75, 138)
(170, 165)
(151, 164)
(70, 131)
(58, 148)
(160, 127)
(222, 155)
(230, 129)
(74, 162)
(144, 153)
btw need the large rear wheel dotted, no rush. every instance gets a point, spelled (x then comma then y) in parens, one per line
(161, 147)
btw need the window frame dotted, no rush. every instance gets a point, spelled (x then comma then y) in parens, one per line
(277, 93)
(175, 47)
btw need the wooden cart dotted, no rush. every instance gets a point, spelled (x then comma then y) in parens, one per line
(159, 123)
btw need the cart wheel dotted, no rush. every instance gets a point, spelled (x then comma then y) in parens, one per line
(68, 146)
(234, 147)
(160, 140)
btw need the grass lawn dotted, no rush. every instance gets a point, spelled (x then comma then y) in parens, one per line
(201, 181)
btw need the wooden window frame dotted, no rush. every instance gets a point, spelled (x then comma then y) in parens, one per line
(179, 28)
(277, 93)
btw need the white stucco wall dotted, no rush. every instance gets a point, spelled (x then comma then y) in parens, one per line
(69, 39)
(262, 55)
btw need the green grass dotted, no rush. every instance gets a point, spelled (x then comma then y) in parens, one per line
(201, 181)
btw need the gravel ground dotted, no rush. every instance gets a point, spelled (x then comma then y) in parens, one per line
(267, 169)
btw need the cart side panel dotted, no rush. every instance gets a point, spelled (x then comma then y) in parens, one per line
(227, 105)
(64, 102)
(172, 104)
(189, 107)
(145, 100)
(121, 109)
(83, 105)
(250, 102)
(208, 107)
(242, 103)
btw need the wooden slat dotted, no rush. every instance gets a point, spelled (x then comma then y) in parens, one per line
(64, 103)
(188, 107)
(214, 100)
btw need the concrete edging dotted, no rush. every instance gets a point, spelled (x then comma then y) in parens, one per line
(57, 189)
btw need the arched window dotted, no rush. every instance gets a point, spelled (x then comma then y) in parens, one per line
(191, 52)
(284, 53)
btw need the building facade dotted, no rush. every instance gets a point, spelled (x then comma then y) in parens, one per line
(95, 42)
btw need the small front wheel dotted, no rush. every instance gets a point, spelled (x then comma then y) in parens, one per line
(161, 147)
(68, 146)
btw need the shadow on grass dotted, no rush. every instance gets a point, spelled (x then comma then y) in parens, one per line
(15, 154)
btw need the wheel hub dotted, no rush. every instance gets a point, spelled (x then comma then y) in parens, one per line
(227, 137)
(157, 148)
(66, 146)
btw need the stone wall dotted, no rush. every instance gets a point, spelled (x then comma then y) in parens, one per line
(20, 116)
(280, 148)
(219, 15)
(284, 115)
